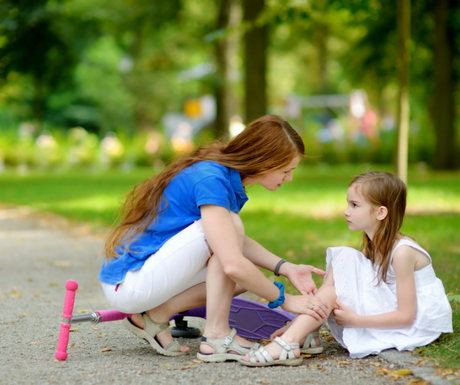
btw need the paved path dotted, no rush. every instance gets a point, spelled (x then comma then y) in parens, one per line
(40, 252)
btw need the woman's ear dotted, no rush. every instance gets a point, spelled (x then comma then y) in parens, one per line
(382, 213)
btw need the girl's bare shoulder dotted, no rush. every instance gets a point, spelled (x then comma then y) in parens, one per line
(409, 253)
(407, 238)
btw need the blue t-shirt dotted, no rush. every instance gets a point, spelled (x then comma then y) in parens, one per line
(204, 183)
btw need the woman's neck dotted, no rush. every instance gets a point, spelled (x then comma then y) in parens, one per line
(245, 180)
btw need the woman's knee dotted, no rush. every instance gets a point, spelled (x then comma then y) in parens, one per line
(239, 290)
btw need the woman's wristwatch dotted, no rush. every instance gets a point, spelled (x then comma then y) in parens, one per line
(277, 268)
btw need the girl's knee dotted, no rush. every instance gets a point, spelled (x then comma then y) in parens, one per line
(327, 291)
(327, 287)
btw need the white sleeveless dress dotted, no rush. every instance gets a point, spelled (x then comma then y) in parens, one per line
(355, 282)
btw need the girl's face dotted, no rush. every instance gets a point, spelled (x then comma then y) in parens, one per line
(360, 215)
(275, 179)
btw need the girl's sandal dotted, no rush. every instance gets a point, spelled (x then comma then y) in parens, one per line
(151, 329)
(287, 357)
(310, 346)
(222, 347)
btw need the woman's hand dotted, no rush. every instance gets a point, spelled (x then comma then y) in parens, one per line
(344, 316)
(301, 276)
(306, 304)
(279, 332)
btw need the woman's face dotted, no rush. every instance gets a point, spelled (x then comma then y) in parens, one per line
(276, 178)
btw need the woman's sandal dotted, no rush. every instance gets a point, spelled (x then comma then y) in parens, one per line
(151, 329)
(287, 357)
(310, 346)
(222, 347)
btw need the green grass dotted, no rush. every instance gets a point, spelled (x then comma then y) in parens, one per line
(76, 194)
(299, 221)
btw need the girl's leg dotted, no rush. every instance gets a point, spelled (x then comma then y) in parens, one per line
(220, 290)
(303, 325)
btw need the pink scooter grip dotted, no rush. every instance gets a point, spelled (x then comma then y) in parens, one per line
(112, 315)
(61, 353)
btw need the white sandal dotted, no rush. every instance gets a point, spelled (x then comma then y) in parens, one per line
(222, 347)
(310, 346)
(149, 333)
(287, 357)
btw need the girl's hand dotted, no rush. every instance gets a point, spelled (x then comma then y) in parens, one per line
(306, 304)
(279, 332)
(343, 315)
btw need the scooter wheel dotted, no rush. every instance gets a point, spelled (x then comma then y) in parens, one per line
(185, 333)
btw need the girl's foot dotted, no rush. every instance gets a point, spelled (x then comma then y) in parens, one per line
(311, 344)
(285, 353)
(274, 349)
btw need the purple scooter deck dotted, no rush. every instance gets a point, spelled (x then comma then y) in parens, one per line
(256, 320)
(250, 319)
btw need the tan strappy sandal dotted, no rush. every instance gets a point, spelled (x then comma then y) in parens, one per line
(310, 346)
(222, 348)
(151, 329)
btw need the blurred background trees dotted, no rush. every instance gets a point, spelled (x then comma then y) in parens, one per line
(161, 77)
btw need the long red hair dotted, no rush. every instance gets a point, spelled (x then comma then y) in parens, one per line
(268, 143)
(382, 189)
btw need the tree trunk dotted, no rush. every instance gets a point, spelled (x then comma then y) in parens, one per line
(443, 111)
(38, 101)
(320, 38)
(255, 61)
(135, 79)
(403, 24)
(229, 15)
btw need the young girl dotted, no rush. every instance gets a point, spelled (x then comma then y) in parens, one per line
(386, 296)
(181, 243)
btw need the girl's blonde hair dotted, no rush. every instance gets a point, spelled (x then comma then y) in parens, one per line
(382, 189)
(268, 143)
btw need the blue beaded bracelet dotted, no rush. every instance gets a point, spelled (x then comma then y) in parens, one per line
(280, 299)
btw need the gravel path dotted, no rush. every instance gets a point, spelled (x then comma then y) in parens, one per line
(40, 252)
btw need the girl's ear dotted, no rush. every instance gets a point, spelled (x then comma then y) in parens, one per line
(382, 213)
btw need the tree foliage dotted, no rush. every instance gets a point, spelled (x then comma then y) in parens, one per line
(32, 46)
(117, 65)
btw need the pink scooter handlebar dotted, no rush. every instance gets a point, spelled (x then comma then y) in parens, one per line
(68, 319)
(61, 353)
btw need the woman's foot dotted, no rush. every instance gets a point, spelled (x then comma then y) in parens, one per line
(206, 349)
(164, 338)
(222, 349)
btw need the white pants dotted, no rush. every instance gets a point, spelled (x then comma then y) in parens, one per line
(179, 265)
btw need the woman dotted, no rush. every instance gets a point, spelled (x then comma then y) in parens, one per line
(181, 244)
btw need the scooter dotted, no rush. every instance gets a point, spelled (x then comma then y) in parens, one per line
(251, 319)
